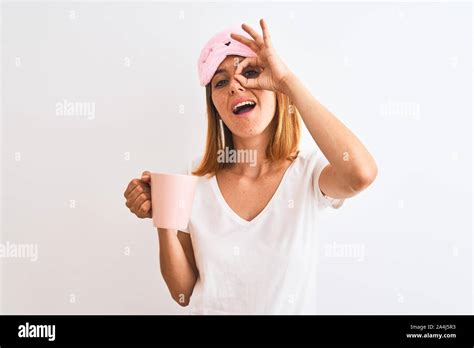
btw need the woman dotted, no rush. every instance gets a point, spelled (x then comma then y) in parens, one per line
(251, 244)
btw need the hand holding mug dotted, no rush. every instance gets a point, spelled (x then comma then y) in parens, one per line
(138, 196)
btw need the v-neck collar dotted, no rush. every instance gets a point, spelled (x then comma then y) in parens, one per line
(236, 217)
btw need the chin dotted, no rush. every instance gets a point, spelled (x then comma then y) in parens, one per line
(249, 126)
(249, 131)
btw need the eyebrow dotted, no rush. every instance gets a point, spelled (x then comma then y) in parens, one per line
(218, 71)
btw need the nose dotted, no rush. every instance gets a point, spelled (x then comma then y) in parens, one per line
(235, 86)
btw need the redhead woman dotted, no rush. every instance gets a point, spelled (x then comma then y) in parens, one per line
(251, 243)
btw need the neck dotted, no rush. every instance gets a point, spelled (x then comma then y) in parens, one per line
(253, 151)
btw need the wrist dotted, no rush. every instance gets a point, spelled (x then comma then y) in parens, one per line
(287, 84)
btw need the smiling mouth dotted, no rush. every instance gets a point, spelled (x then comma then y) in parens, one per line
(244, 108)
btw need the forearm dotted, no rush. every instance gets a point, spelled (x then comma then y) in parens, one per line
(340, 146)
(175, 268)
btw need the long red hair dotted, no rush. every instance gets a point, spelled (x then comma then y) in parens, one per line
(283, 144)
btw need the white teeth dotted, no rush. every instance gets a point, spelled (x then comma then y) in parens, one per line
(243, 103)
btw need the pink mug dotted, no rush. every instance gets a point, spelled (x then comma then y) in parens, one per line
(172, 199)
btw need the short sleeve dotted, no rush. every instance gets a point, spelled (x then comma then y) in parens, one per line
(187, 168)
(185, 230)
(318, 162)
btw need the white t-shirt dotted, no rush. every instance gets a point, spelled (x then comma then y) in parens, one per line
(266, 265)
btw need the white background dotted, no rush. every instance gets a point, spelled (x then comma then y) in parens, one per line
(398, 75)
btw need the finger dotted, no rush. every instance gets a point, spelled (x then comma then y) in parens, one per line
(249, 61)
(131, 186)
(144, 215)
(258, 39)
(136, 192)
(250, 43)
(247, 83)
(266, 34)
(145, 208)
(142, 198)
(142, 188)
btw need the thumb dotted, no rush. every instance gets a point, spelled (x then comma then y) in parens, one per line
(146, 176)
